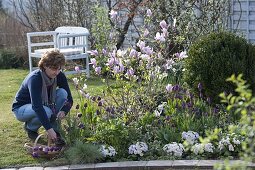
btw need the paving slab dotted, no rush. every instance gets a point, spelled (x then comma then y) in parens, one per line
(57, 168)
(82, 166)
(32, 168)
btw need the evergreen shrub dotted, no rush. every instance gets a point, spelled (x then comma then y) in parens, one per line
(215, 57)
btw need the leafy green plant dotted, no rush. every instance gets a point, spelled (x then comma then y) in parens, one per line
(243, 104)
(81, 153)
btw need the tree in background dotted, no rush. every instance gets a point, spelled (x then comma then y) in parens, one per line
(188, 19)
(47, 15)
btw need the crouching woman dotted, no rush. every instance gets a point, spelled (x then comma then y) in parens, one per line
(43, 97)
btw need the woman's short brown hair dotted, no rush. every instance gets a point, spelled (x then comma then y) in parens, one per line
(52, 59)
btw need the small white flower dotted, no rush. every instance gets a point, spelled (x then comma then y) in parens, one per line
(108, 151)
(198, 148)
(76, 81)
(85, 86)
(209, 147)
(236, 141)
(231, 147)
(175, 149)
(138, 149)
(190, 136)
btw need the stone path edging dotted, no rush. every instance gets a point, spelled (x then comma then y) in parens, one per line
(141, 165)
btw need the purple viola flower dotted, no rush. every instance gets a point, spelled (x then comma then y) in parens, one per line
(36, 148)
(98, 112)
(100, 103)
(176, 88)
(108, 109)
(81, 126)
(77, 106)
(85, 105)
(190, 104)
(35, 154)
(168, 118)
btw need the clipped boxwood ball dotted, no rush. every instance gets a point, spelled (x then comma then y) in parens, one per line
(215, 57)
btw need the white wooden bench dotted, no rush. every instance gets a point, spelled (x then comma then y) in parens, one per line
(71, 41)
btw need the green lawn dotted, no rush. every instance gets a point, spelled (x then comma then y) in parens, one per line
(12, 135)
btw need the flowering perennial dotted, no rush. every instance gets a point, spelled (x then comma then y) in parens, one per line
(228, 143)
(190, 136)
(138, 149)
(175, 149)
(108, 151)
(200, 148)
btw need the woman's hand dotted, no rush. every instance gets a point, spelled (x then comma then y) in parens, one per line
(61, 115)
(52, 134)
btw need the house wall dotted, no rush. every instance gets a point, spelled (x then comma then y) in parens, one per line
(243, 18)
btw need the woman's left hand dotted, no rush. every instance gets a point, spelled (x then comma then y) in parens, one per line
(61, 115)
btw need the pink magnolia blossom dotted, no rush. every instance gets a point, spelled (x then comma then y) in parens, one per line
(133, 53)
(93, 52)
(160, 37)
(163, 24)
(141, 44)
(98, 70)
(93, 61)
(148, 12)
(130, 72)
(146, 32)
(165, 32)
(147, 50)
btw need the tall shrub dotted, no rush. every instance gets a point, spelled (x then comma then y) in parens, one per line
(214, 58)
